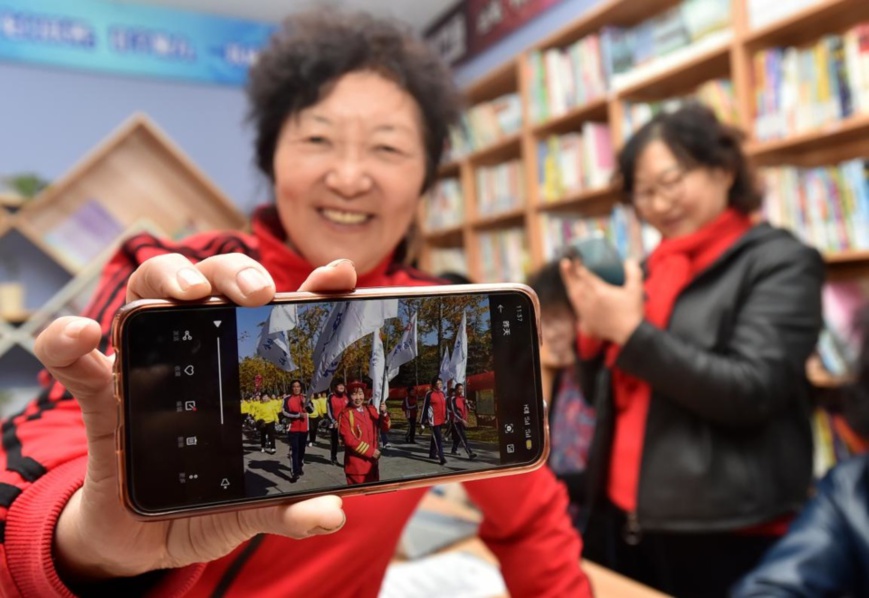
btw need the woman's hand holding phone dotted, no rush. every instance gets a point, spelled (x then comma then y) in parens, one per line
(605, 311)
(96, 537)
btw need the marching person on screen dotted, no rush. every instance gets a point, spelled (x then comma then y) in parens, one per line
(295, 408)
(435, 414)
(334, 406)
(411, 412)
(459, 419)
(358, 425)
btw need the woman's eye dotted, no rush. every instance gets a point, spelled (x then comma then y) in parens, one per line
(317, 139)
(388, 149)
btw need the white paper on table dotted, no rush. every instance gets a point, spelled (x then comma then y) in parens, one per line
(446, 575)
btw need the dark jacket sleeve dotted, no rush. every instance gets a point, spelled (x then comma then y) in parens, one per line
(826, 551)
(762, 366)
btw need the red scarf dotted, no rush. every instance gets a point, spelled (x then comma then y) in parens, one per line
(671, 267)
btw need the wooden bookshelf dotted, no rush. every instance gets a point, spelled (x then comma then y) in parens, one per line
(135, 180)
(727, 53)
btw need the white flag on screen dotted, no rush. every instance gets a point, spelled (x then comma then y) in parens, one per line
(275, 349)
(446, 364)
(405, 350)
(282, 318)
(347, 323)
(379, 385)
(459, 361)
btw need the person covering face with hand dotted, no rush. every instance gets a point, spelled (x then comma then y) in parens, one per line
(350, 116)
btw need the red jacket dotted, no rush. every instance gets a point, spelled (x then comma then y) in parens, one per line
(358, 429)
(459, 410)
(294, 408)
(43, 459)
(436, 408)
(335, 405)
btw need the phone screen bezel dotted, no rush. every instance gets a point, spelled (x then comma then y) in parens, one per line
(120, 341)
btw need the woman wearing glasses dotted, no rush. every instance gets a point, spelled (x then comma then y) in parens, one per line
(703, 448)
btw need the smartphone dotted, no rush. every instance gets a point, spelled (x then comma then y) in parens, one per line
(600, 257)
(194, 379)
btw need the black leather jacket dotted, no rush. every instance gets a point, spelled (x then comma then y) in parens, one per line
(826, 550)
(728, 439)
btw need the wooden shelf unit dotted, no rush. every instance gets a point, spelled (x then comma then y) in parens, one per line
(136, 180)
(731, 58)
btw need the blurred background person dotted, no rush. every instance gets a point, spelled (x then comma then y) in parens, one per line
(826, 549)
(696, 366)
(318, 412)
(571, 417)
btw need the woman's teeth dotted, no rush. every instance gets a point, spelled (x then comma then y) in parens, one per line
(342, 217)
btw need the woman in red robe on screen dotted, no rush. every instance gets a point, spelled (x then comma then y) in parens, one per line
(358, 425)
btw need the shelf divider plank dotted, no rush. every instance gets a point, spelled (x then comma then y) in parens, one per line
(808, 23)
(572, 119)
(501, 150)
(679, 71)
(500, 219)
(855, 127)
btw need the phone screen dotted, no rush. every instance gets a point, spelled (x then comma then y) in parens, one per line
(220, 401)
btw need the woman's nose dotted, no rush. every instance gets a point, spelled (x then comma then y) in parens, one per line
(348, 177)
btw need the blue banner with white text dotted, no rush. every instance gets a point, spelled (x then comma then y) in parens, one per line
(130, 39)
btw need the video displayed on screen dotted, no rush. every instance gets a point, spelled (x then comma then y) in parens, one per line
(366, 391)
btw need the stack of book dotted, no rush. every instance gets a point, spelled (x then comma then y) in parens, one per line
(764, 12)
(799, 89)
(575, 162)
(564, 78)
(685, 25)
(504, 255)
(500, 188)
(449, 259)
(444, 207)
(485, 124)
(827, 207)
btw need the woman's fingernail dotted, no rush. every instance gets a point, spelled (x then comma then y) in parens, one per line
(189, 277)
(74, 328)
(337, 263)
(322, 531)
(251, 280)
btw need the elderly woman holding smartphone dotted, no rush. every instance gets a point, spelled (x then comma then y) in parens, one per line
(350, 116)
(703, 449)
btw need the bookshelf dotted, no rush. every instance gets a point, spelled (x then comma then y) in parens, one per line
(727, 50)
(135, 180)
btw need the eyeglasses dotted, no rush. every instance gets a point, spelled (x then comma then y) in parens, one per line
(670, 186)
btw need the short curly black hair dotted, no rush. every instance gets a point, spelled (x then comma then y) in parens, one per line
(697, 138)
(313, 49)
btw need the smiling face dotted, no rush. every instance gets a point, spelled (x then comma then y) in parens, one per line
(296, 388)
(349, 170)
(357, 397)
(676, 200)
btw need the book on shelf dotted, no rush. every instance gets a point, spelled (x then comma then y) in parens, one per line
(565, 78)
(765, 12)
(444, 207)
(827, 207)
(575, 162)
(84, 234)
(659, 43)
(799, 89)
(448, 259)
(485, 124)
(500, 188)
(717, 94)
(621, 227)
(504, 255)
